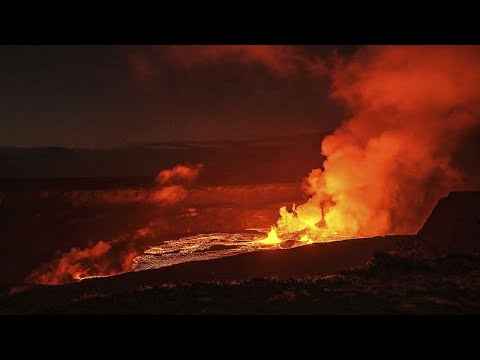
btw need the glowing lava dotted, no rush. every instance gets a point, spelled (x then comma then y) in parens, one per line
(205, 247)
(271, 239)
(305, 224)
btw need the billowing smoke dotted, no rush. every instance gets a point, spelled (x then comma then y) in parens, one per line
(116, 255)
(391, 161)
(179, 173)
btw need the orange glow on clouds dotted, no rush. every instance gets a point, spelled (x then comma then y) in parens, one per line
(180, 173)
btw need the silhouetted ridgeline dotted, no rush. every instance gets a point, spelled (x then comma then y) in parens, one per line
(454, 225)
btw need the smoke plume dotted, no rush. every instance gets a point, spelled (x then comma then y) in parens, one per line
(391, 161)
(179, 173)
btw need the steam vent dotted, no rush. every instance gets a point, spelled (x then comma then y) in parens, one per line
(454, 225)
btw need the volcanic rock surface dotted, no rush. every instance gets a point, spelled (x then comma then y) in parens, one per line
(454, 225)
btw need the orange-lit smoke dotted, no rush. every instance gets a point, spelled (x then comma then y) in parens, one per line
(281, 60)
(170, 190)
(391, 161)
(116, 255)
(278, 60)
(179, 173)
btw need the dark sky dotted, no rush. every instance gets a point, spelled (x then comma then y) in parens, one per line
(112, 96)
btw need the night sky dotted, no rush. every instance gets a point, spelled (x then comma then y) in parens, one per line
(114, 96)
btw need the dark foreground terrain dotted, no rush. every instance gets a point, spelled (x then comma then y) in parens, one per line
(389, 284)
